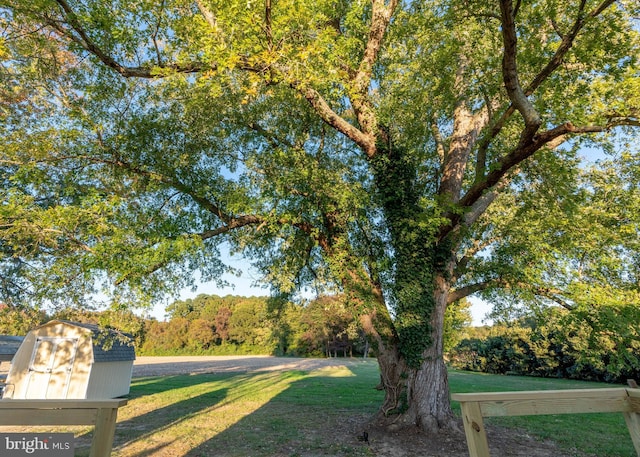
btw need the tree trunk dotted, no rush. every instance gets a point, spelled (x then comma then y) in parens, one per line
(419, 396)
(428, 386)
(413, 371)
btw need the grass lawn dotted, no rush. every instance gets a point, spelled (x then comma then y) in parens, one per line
(258, 414)
(285, 413)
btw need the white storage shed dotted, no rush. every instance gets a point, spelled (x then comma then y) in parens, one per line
(63, 359)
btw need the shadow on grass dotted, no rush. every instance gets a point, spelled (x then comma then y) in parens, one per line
(156, 405)
(153, 385)
(160, 421)
(248, 414)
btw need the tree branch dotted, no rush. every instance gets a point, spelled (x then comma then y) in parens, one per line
(365, 136)
(366, 141)
(380, 19)
(154, 37)
(155, 176)
(556, 60)
(511, 160)
(437, 137)
(208, 15)
(553, 295)
(521, 153)
(82, 38)
(618, 120)
(79, 35)
(233, 224)
(481, 155)
(478, 245)
(478, 208)
(274, 141)
(267, 23)
(517, 96)
(566, 44)
(467, 290)
(466, 126)
(465, 132)
(545, 292)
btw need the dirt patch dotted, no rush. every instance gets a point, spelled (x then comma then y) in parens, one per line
(380, 441)
(163, 366)
(502, 442)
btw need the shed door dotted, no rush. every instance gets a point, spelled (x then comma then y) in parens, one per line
(50, 367)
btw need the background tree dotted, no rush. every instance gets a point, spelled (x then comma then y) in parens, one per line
(221, 323)
(201, 334)
(457, 319)
(326, 328)
(123, 320)
(559, 343)
(365, 147)
(18, 321)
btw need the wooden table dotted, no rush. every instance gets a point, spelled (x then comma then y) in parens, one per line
(101, 414)
(475, 406)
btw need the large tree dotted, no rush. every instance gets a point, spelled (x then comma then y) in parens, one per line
(378, 148)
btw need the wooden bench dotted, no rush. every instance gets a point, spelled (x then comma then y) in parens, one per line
(101, 414)
(475, 406)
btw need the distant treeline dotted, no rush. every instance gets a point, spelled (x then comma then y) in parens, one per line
(324, 327)
(210, 324)
(581, 344)
(213, 325)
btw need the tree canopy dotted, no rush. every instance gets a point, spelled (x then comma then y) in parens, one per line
(406, 154)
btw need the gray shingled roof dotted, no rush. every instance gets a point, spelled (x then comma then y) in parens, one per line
(108, 345)
(10, 344)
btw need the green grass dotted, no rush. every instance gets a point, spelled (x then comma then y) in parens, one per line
(297, 412)
(259, 414)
